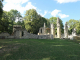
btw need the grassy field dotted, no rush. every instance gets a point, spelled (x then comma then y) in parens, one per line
(39, 49)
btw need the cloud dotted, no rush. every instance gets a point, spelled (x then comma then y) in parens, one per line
(17, 4)
(16, 1)
(45, 12)
(66, 1)
(63, 15)
(55, 12)
(58, 13)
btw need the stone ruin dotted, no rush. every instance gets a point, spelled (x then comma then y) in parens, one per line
(66, 31)
(20, 33)
(58, 28)
(47, 31)
(44, 33)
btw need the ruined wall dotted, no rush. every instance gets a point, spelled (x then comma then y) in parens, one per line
(34, 36)
(26, 35)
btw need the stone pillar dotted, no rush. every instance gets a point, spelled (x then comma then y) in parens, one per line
(44, 29)
(58, 28)
(18, 34)
(51, 35)
(66, 31)
(53, 31)
(74, 32)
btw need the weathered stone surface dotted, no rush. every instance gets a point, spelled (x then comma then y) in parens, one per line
(51, 35)
(58, 28)
(26, 35)
(74, 32)
(66, 31)
(5, 34)
(44, 29)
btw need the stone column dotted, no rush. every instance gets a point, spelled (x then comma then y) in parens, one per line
(44, 29)
(53, 31)
(74, 32)
(66, 31)
(51, 35)
(58, 28)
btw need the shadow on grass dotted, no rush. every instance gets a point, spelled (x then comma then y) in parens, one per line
(36, 49)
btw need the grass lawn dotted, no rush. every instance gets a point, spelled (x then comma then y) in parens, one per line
(39, 49)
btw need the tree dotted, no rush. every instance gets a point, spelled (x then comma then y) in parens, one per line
(5, 22)
(1, 10)
(13, 16)
(8, 20)
(20, 23)
(78, 27)
(72, 24)
(33, 21)
(54, 21)
(31, 14)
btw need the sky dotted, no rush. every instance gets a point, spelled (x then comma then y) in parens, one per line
(64, 9)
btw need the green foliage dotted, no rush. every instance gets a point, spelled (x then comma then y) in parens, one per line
(15, 15)
(33, 21)
(4, 23)
(31, 14)
(78, 27)
(72, 24)
(8, 20)
(1, 11)
(20, 23)
(54, 21)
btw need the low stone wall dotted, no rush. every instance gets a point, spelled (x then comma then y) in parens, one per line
(73, 37)
(10, 37)
(26, 35)
(4, 34)
(44, 37)
(30, 36)
(34, 36)
(76, 37)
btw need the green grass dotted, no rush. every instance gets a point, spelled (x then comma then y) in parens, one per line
(39, 49)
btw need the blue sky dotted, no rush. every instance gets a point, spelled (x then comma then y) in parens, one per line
(64, 9)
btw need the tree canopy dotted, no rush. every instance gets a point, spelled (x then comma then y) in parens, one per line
(71, 24)
(33, 21)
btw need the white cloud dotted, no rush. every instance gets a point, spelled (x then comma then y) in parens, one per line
(16, 1)
(55, 12)
(17, 4)
(66, 1)
(63, 15)
(45, 12)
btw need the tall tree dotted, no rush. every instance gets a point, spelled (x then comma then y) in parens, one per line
(33, 21)
(72, 24)
(1, 10)
(78, 27)
(13, 16)
(5, 22)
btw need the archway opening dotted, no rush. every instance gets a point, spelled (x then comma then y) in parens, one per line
(22, 33)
